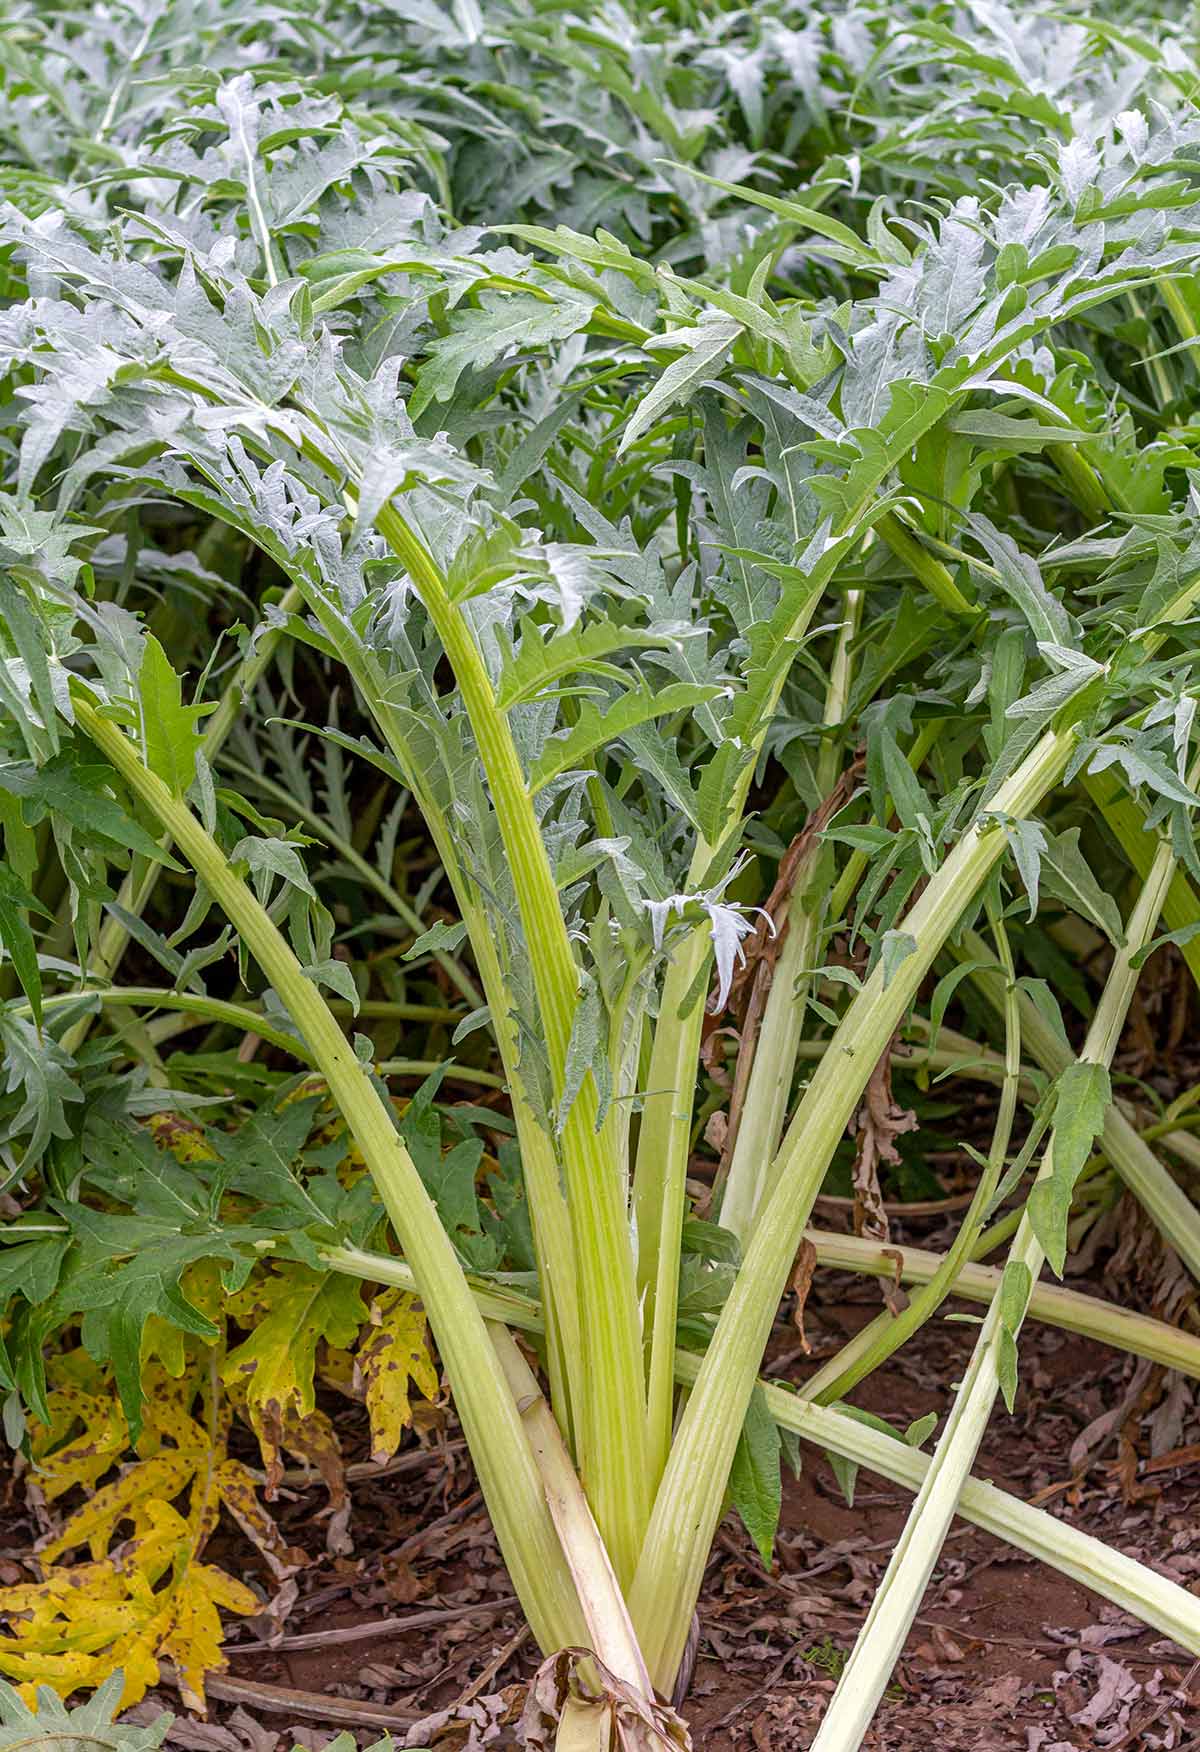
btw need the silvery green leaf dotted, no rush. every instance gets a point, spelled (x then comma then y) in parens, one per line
(703, 346)
(266, 857)
(1019, 576)
(439, 936)
(1067, 876)
(1028, 842)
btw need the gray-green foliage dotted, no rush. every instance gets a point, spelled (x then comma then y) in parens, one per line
(659, 331)
(88, 1725)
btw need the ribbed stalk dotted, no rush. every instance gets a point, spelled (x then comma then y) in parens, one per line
(764, 1109)
(887, 1332)
(690, 1498)
(1127, 824)
(507, 1473)
(899, 1595)
(660, 1179)
(1132, 1586)
(140, 883)
(548, 1210)
(610, 1629)
(205, 1009)
(660, 1183)
(924, 566)
(609, 1416)
(1054, 1304)
(1172, 1210)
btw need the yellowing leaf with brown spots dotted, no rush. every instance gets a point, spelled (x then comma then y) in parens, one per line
(290, 1309)
(185, 1626)
(393, 1353)
(145, 1593)
(86, 1436)
(186, 1140)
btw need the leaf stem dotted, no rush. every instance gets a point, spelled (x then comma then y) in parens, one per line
(690, 1497)
(507, 1473)
(608, 1399)
(898, 1597)
(887, 1332)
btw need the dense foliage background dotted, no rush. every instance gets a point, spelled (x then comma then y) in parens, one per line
(646, 319)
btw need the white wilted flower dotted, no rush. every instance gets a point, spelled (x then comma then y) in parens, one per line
(729, 925)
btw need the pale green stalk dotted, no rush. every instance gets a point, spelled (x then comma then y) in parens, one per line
(884, 1335)
(202, 1007)
(455, 1073)
(1052, 1303)
(899, 1595)
(548, 1210)
(551, 1227)
(664, 1140)
(610, 1629)
(491, 1423)
(762, 1111)
(1127, 824)
(690, 1498)
(1172, 1210)
(1134, 1587)
(924, 566)
(140, 882)
(609, 1413)
(764, 1107)
(660, 1174)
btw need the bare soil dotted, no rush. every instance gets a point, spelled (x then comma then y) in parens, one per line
(1005, 1654)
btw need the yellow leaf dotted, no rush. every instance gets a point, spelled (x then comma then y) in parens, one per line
(313, 1084)
(291, 1309)
(186, 1140)
(74, 1629)
(128, 1498)
(185, 1626)
(394, 1352)
(335, 1367)
(193, 1637)
(237, 1488)
(154, 1596)
(87, 1456)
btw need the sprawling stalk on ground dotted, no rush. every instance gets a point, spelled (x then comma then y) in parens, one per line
(898, 1596)
(1133, 1586)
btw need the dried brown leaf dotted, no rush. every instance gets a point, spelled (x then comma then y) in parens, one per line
(802, 1281)
(878, 1123)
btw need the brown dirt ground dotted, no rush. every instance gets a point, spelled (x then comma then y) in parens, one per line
(1005, 1654)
